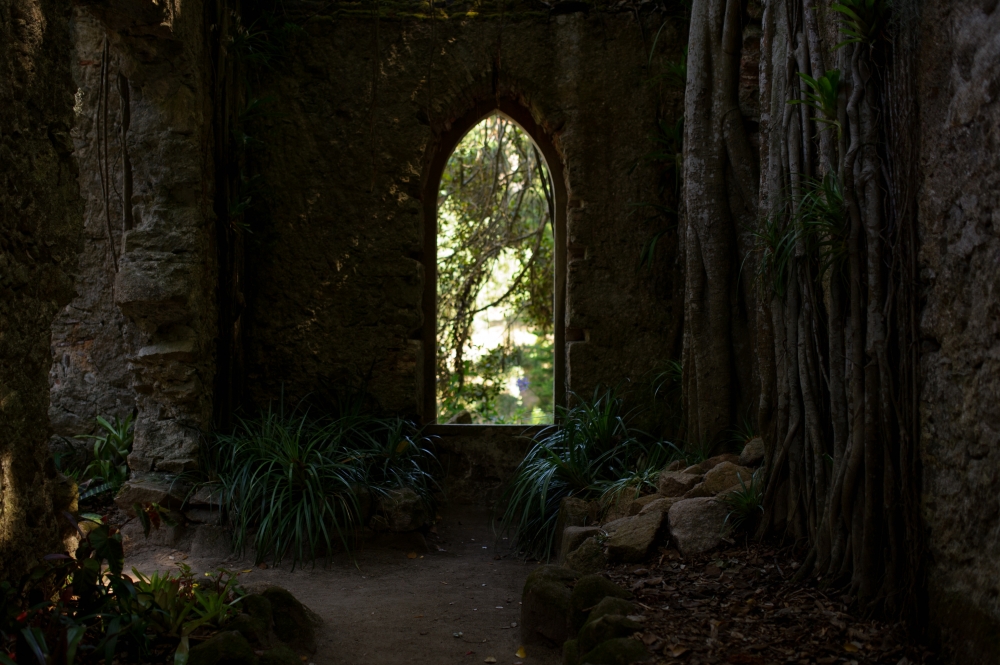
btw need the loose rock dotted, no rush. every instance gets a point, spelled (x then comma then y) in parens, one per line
(661, 505)
(403, 510)
(294, 624)
(676, 483)
(588, 592)
(753, 452)
(636, 506)
(720, 478)
(226, 648)
(588, 558)
(697, 525)
(572, 538)
(620, 651)
(633, 541)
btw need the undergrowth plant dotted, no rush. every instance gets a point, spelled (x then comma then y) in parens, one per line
(594, 453)
(746, 505)
(84, 609)
(292, 483)
(108, 470)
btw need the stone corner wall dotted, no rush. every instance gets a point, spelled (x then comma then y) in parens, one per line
(141, 332)
(40, 224)
(959, 225)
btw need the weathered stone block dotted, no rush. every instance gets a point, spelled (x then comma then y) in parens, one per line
(545, 605)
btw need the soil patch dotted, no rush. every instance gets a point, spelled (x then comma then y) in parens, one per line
(390, 609)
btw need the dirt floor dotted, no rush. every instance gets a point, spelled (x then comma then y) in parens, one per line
(391, 609)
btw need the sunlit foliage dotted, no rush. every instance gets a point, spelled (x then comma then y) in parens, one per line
(495, 278)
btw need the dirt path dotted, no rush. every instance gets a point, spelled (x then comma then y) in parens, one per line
(391, 610)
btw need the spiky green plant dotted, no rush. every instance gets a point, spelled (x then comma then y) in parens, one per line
(291, 482)
(822, 97)
(823, 217)
(745, 504)
(775, 245)
(593, 453)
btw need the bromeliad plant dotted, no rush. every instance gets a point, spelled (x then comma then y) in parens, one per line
(593, 453)
(83, 609)
(108, 470)
(294, 484)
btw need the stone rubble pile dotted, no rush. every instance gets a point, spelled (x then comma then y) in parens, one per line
(571, 604)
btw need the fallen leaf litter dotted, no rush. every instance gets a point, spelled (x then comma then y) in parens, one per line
(740, 606)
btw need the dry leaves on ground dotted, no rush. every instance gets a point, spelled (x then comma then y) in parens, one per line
(740, 606)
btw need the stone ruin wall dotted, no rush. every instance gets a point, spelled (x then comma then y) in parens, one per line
(40, 229)
(337, 272)
(139, 335)
(90, 336)
(357, 253)
(959, 225)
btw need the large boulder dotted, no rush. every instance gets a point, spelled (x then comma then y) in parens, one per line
(753, 452)
(697, 525)
(546, 604)
(293, 623)
(720, 478)
(226, 648)
(676, 483)
(588, 558)
(573, 537)
(401, 510)
(619, 651)
(634, 540)
(588, 592)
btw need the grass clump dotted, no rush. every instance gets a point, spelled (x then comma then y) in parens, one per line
(298, 485)
(594, 453)
(746, 505)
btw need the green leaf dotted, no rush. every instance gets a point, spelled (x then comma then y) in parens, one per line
(181, 654)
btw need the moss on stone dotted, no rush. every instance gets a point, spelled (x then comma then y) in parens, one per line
(588, 592)
(619, 651)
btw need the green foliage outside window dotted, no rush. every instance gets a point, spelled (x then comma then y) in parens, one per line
(495, 279)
